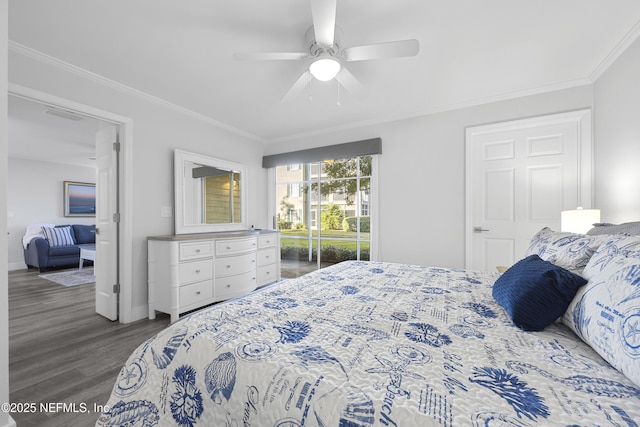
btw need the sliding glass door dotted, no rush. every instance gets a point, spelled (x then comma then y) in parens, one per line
(323, 211)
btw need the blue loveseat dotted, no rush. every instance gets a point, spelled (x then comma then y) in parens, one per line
(39, 253)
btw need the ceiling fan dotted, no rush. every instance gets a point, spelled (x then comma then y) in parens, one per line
(326, 55)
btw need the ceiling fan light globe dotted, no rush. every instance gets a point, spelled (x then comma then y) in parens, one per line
(324, 69)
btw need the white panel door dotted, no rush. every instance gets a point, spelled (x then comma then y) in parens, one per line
(106, 264)
(520, 175)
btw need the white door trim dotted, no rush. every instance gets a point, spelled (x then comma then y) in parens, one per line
(126, 183)
(585, 192)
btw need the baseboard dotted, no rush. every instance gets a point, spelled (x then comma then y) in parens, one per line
(10, 422)
(138, 313)
(16, 266)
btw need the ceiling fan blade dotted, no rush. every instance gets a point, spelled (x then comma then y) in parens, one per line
(297, 87)
(350, 83)
(270, 56)
(382, 50)
(323, 13)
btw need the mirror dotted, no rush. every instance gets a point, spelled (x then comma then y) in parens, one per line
(210, 194)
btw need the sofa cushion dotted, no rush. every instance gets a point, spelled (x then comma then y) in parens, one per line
(61, 235)
(84, 233)
(56, 251)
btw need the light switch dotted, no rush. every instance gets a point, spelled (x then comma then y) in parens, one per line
(166, 211)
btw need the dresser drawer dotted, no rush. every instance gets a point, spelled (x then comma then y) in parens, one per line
(230, 247)
(266, 256)
(232, 286)
(267, 240)
(238, 264)
(193, 271)
(195, 293)
(267, 274)
(195, 250)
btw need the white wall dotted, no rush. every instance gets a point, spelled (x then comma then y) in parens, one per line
(617, 135)
(422, 173)
(35, 195)
(157, 130)
(5, 418)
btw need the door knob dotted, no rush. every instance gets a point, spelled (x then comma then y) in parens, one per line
(479, 229)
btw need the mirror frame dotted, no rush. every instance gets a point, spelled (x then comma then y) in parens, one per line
(179, 158)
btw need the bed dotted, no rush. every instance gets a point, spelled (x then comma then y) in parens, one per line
(387, 344)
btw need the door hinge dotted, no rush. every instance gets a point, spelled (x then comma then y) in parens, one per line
(116, 217)
(116, 147)
(116, 288)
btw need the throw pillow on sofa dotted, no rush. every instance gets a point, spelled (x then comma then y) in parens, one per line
(59, 236)
(84, 233)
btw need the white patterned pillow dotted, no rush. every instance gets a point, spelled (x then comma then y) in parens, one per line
(628, 228)
(606, 312)
(567, 250)
(59, 236)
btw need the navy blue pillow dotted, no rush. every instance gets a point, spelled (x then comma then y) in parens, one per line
(84, 233)
(535, 292)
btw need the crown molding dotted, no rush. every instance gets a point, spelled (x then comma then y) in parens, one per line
(436, 110)
(618, 49)
(97, 78)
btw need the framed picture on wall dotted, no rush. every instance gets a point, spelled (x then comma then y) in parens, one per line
(79, 199)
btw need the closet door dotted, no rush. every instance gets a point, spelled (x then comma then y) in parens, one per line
(520, 176)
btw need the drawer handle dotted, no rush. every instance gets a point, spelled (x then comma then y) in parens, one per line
(228, 286)
(197, 251)
(198, 271)
(228, 266)
(198, 293)
(228, 247)
(268, 257)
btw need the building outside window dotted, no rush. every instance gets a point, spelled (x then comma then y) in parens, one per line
(322, 210)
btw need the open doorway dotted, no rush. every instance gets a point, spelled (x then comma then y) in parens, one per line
(50, 145)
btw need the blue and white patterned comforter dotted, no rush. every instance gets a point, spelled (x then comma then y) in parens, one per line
(368, 344)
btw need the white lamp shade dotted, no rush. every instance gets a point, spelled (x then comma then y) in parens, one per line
(324, 69)
(579, 220)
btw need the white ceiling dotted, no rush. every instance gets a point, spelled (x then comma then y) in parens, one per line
(36, 135)
(471, 52)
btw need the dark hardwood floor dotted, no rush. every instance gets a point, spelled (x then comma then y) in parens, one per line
(61, 353)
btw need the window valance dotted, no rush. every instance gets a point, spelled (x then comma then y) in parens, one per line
(339, 151)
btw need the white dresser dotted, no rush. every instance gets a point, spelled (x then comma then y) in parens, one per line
(189, 271)
(268, 258)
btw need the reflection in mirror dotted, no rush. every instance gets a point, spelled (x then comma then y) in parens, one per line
(209, 194)
(212, 194)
